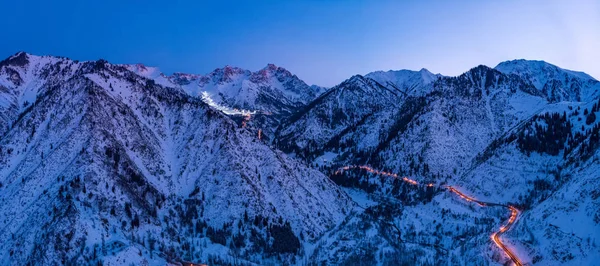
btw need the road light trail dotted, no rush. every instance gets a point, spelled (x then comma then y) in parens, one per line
(465, 197)
(384, 173)
(495, 236)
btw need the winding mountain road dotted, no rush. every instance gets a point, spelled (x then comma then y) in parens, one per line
(496, 236)
(515, 213)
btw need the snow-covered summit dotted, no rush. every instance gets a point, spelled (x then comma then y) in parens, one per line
(408, 81)
(556, 83)
(225, 75)
(256, 90)
(522, 65)
(402, 76)
(272, 89)
(23, 75)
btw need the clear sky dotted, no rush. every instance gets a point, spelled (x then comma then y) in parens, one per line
(323, 42)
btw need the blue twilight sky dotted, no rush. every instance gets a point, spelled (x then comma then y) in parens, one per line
(323, 42)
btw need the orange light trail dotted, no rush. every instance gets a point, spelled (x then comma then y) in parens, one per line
(465, 197)
(514, 213)
(377, 172)
(495, 236)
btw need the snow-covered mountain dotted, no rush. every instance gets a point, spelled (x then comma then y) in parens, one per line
(272, 89)
(461, 114)
(267, 95)
(122, 164)
(102, 163)
(476, 131)
(555, 83)
(357, 100)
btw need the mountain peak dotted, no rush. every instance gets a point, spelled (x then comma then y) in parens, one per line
(271, 70)
(274, 70)
(227, 70)
(19, 54)
(480, 71)
(425, 70)
(481, 68)
(524, 62)
(271, 66)
(556, 83)
(225, 74)
(18, 59)
(140, 67)
(408, 81)
(355, 78)
(523, 65)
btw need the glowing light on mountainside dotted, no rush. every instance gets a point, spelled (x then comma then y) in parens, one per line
(226, 110)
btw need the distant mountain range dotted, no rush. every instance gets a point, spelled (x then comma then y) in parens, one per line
(114, 164)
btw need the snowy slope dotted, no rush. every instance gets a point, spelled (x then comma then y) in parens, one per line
(555, 181)
(106, 163)
(22, 76)
(565, 227)
(322, 123)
